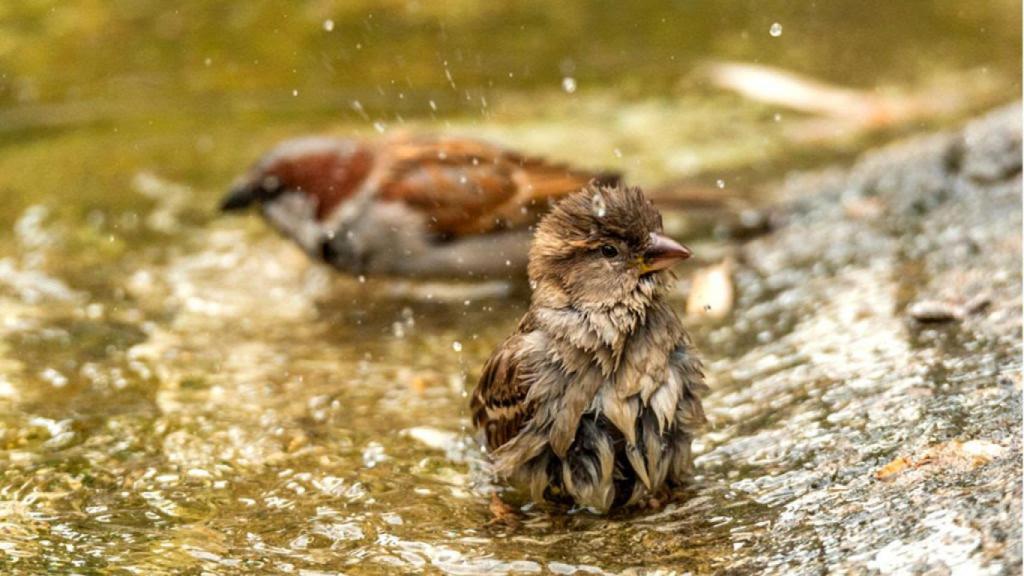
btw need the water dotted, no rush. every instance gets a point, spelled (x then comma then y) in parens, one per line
(182, 392)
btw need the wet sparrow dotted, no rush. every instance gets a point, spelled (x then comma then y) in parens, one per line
(407, 206)
(595, 397)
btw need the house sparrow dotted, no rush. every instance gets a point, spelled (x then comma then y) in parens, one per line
(407, 206)
(595, 397)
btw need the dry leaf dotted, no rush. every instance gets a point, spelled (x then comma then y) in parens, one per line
(962, 455)
(952, 455)
(892, 468)
(711, 292)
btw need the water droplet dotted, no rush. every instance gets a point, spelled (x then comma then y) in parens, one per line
(617, 152)
(775, 30)
(328, 25)
(362, 279)
(569, 84)
(398, 329)
(448, 75)
(207, 62)
(433, 106)
(720, 183)
(379, 127)
(777, 117)
(599, 207)
(457, 346)
(358, 107)
(295, 92)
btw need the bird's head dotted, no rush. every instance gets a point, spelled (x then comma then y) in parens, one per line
(599, 247)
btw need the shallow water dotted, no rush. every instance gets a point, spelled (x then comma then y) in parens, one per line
(181, 392)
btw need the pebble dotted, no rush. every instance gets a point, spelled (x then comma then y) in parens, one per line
(935, 311)
(941, 311)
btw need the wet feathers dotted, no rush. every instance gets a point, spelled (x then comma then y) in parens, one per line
(596, 395)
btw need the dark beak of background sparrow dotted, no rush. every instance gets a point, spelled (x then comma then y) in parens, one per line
(662, 253)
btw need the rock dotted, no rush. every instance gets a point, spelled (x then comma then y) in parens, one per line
(839, 423)
(935, 311)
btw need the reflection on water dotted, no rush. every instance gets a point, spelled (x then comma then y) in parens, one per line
(184, 393)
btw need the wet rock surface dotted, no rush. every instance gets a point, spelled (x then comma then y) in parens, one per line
(837, 401)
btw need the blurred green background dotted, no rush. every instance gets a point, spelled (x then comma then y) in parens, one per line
(136, 57)
(197, 87)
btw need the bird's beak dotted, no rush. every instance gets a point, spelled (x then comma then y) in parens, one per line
(662, 253)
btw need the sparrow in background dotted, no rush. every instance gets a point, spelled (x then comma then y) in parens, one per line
(407, 206)
(595, 397)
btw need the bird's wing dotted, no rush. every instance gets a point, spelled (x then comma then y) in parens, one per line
(466, 186)
(499, 405)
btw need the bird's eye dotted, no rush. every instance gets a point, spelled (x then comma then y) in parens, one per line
(609, 251)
